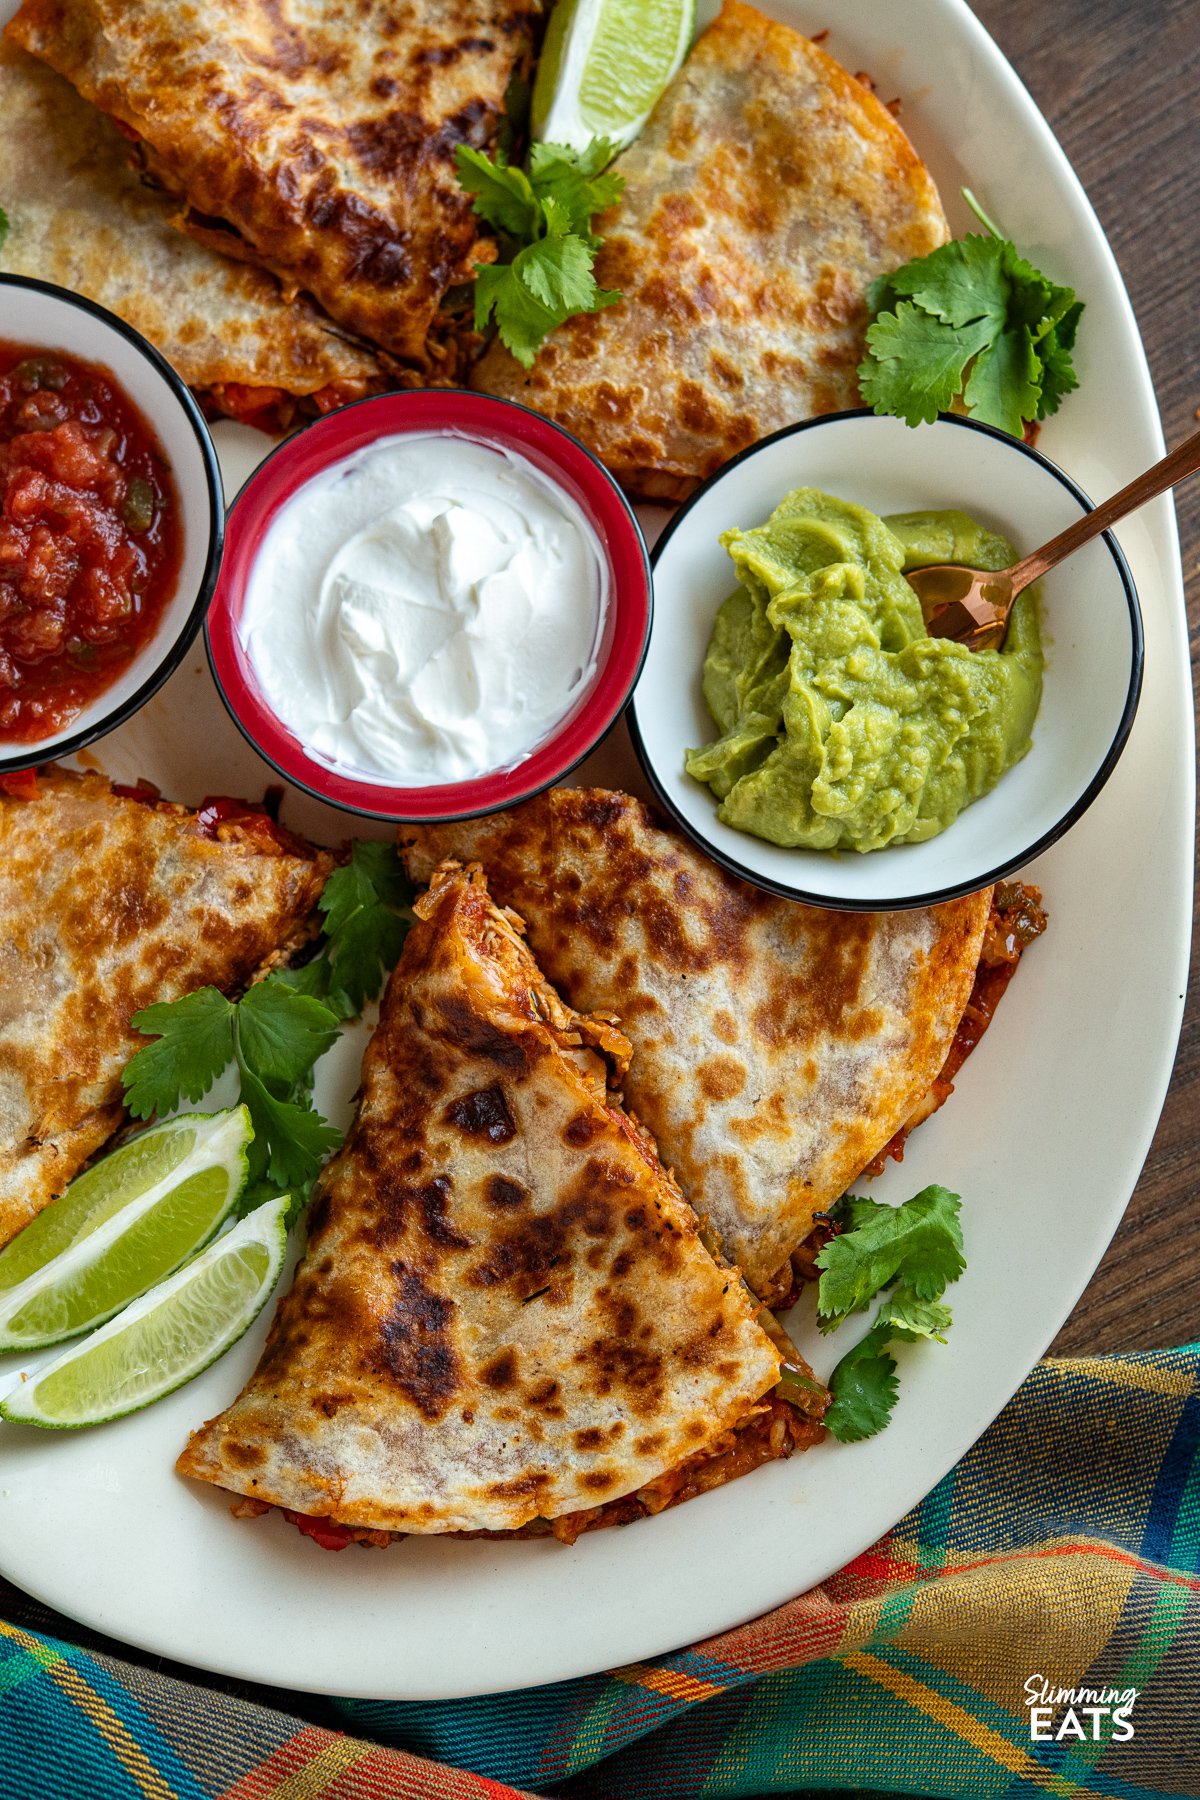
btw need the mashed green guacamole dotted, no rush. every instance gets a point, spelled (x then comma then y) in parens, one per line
(842, 725)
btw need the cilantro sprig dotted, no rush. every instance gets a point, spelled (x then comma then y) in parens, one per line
(3, 226)
(275, 1034)
(544, 218)
(915, 1252)
(972, 323)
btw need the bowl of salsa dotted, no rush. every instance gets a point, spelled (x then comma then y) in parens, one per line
(111, 522)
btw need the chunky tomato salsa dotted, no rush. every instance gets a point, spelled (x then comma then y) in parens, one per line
(90, 537)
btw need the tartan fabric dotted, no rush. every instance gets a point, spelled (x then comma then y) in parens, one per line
(1065, 1545)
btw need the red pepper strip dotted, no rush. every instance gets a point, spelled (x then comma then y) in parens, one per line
(321, 1531)
(142, 790)
(21, 784)
(218, 810)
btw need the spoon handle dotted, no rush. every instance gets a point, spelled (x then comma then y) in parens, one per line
(1172, 469)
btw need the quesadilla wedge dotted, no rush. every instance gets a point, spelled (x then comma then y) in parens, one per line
(505, 1319)
(317, 141)
(766, 193)
(109, 903)
(79, 214)
(777, 1047)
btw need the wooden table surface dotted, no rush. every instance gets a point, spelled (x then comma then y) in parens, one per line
(1120, 84)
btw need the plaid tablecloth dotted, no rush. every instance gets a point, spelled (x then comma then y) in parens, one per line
(1063, 1553)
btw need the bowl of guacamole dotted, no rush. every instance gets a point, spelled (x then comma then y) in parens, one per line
(841, 724)
(794, 717)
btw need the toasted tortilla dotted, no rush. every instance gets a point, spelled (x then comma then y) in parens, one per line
(504, 1314)
(81, 215)
(767, 191)
(777, 1047)
(107, 905)
(323, 137)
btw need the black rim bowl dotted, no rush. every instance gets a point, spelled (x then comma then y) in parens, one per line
(28, 756)
(1010, 864)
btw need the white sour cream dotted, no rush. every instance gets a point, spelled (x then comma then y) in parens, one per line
(425, 611)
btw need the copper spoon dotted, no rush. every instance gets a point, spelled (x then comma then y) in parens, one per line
(972, 605)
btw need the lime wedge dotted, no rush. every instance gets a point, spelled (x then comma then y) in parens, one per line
(122, 1226)
(166, 1337)
(603, 66)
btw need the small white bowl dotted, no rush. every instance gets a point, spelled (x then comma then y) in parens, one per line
(1091, 633)
(54, 318)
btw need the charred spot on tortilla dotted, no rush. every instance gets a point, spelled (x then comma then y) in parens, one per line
(825, 1029)
(327, 147)
(484, 1111)
(83, 216)
(478, 1385)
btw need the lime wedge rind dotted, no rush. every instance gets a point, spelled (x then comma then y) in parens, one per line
(604, 65)
(165, 1339)
(53, 1303)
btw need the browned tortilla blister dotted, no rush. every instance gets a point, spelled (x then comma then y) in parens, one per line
(108, 905)
(767, 191)
(777, 1047)
(504, 1313)
(80, 214)
(323, 136)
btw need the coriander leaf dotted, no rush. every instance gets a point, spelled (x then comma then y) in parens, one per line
(281, 1033)
(558, 219)
(1036, 300)
(297, 1138)
(853, 1210)
(195, 1043)
(549, 277)
(558, 272)
(374, 872)
(3, 226)
(257, 1193)
(915, 364)
(502, 195)
(1058, 371)
(364, 950)
(911, 1318)
(881, 296)
(864, 1389)
(310, 978)
(559, 162)
(920, 1241)
(959, 282)
(1003, 388)
(364, 903)
(522, 320)
(573, 180)
(973, 319)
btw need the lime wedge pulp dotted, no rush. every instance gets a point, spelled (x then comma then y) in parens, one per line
(604, 65)
(122, 1226)
(165, 1338)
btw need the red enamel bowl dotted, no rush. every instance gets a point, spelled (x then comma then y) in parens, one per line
(505, 425)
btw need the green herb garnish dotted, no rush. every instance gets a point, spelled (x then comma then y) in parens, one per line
(972, 323)
(275, 1033)
(3, 226)
(544, 219)
(366, 908)
(916, 1251)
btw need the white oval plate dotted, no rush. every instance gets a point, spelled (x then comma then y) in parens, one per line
(1044, 1137)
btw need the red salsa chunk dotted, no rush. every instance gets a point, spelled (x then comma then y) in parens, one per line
(90, 537)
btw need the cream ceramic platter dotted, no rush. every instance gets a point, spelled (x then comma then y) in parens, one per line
(1044, 1138)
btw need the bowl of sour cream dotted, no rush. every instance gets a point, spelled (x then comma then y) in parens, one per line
(432, 605)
